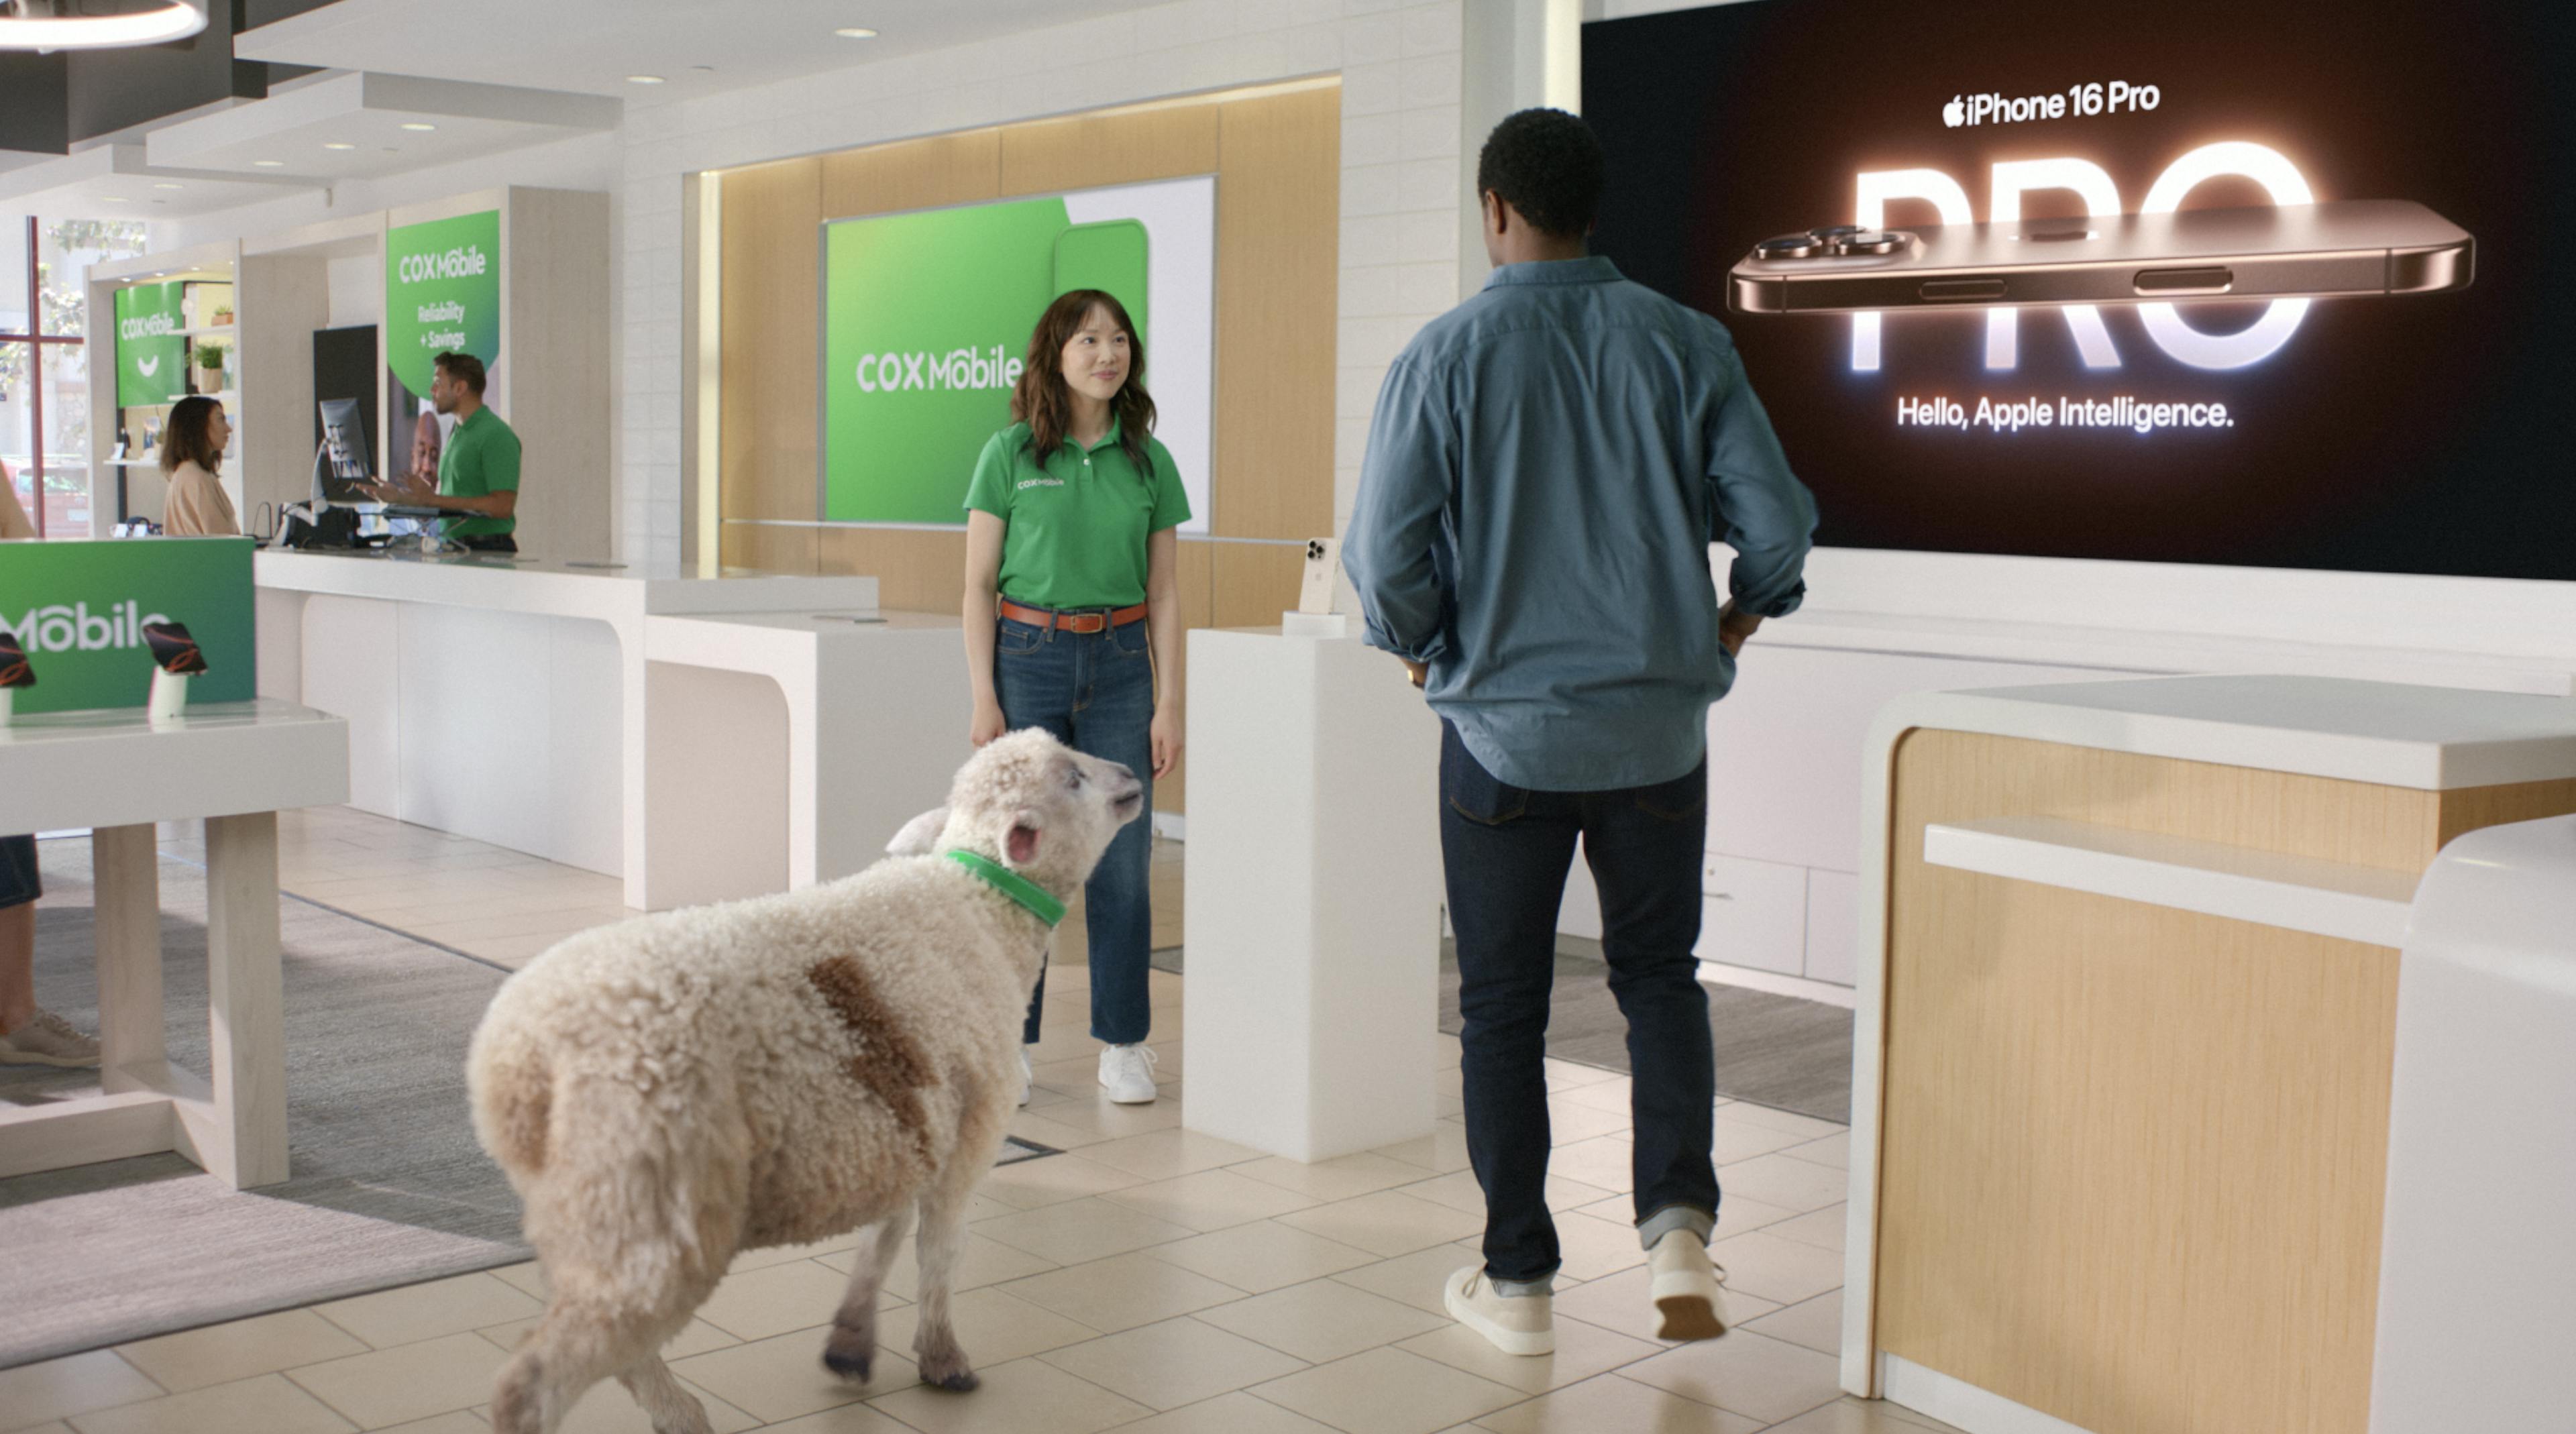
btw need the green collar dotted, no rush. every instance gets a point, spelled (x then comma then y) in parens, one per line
(1011, 884)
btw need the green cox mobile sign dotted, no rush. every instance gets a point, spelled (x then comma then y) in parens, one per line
(926, 321)
(79, 610)
(442, 294)
(151, 344)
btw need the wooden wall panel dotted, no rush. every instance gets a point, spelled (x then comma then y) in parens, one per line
(2470, 808)
(1278, 275)
(1255, 582)
(916, 571)
(772, 313)
(1087, 151)
(916, 174)
(771, 548)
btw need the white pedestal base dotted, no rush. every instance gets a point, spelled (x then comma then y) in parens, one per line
(1313, 921)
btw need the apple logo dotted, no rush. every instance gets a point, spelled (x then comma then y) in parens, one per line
(1954, 114)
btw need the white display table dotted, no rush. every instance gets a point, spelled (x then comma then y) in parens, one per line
(236, 765)
(509, 700)
(2129, 981)
(2477, 1276)
(1312, 918)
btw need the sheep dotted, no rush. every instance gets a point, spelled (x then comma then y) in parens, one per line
(670, 1091)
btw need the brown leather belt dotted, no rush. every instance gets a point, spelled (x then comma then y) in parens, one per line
(1083, 622)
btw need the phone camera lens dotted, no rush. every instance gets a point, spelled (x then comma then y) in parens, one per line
(1789, 246)
(1869, 241)
(1832, 232)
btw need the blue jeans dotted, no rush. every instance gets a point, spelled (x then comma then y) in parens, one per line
(1506, 851)
(1095, 692)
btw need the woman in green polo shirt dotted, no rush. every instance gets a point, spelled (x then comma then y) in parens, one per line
(1071, 611)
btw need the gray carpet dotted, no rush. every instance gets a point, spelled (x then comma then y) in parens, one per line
(389, 1186)
(1778, 1051)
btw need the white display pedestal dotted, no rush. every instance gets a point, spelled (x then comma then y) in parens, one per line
(237, 765)
(2478, 1253)
(1313, 896)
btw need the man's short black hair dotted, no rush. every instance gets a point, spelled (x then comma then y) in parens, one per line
(465, 368)
(1546, 164)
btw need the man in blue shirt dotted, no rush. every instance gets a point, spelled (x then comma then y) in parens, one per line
(1548, 464)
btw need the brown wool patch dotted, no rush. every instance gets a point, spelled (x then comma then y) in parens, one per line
(890, 1064)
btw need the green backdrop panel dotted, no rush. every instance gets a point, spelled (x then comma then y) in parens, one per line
(151, 355)
(926, 320)
(79, 610)
(442, 292)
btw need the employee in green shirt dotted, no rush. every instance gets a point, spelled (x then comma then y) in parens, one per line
(478, 473)
(1073, 609)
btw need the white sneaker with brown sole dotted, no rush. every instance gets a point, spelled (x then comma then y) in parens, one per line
(47, 1040)
(1514, 1324)
(1688, 1287)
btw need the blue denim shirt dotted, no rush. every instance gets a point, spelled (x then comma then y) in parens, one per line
(1548, 464)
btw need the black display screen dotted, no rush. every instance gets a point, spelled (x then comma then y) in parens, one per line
(2425, 432)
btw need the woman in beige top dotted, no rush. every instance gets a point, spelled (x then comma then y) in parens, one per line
(13, 518)
(192, 448)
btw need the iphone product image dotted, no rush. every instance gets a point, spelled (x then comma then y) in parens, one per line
(1323, 558)
(2344, 247)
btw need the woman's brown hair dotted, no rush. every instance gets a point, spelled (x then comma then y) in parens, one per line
(186, 437)
(1045, 403)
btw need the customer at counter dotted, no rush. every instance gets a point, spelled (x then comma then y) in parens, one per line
(478, 474)
(1072, 612)
(192, 448)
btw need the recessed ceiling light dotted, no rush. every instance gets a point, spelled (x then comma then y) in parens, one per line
(116, 199)
(856, 32)
(419, 128)
(165, 184)
(269, 163)
(643, 79)
(337, 144)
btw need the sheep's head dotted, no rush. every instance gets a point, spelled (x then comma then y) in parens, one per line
(1034, 805)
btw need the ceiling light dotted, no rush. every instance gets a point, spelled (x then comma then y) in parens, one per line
(856, 32)
(173, 20)
(418, 127)
(337, 144)
(269, 163)
(643, 79)
(165, 184)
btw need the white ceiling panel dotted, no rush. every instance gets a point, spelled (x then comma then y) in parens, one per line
(593, 45)
(116, 181)
(363, 125)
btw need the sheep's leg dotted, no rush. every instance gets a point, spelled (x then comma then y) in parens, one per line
(581, 1342)
(941, 1242)
(852, 1350)
(672, 1409)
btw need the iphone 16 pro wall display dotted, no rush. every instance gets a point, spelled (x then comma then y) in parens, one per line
(2279, 285)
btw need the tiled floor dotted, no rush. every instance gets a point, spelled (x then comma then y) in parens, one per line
(1149, 1280)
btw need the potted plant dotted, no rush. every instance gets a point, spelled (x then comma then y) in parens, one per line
(210, 368)
(223, 315)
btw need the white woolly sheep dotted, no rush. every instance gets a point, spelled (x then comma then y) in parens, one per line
(673, 1090)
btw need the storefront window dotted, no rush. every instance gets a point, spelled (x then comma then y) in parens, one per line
(44, 360)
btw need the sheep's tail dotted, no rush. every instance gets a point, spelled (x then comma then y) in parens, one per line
(513, 1089)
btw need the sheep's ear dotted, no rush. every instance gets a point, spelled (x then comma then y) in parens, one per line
(919, 834)
(1021, 846)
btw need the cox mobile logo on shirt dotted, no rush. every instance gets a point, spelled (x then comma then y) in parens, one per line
(79, 610)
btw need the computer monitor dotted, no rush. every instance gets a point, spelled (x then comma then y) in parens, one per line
(343, 461)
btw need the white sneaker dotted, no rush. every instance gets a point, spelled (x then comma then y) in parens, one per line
(1687, 1287)
(1028, 1077)
(1516, 1324)
(48, 1040)
(1127, 1073)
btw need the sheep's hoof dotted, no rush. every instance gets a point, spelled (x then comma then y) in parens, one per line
(852, 1367)
(964, 1381)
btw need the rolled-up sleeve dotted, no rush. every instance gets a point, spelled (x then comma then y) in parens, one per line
(1757, 506)
(1405, 482)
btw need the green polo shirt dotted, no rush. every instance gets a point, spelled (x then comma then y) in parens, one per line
(1077, 523)
(481, 458)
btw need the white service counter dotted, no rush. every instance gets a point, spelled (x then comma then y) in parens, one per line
(700, 737)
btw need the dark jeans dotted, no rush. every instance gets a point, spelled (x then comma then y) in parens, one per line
(1095, 692)
(1506, 851)
(490, 542)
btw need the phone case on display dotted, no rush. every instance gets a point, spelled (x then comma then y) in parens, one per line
(2344, 248)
